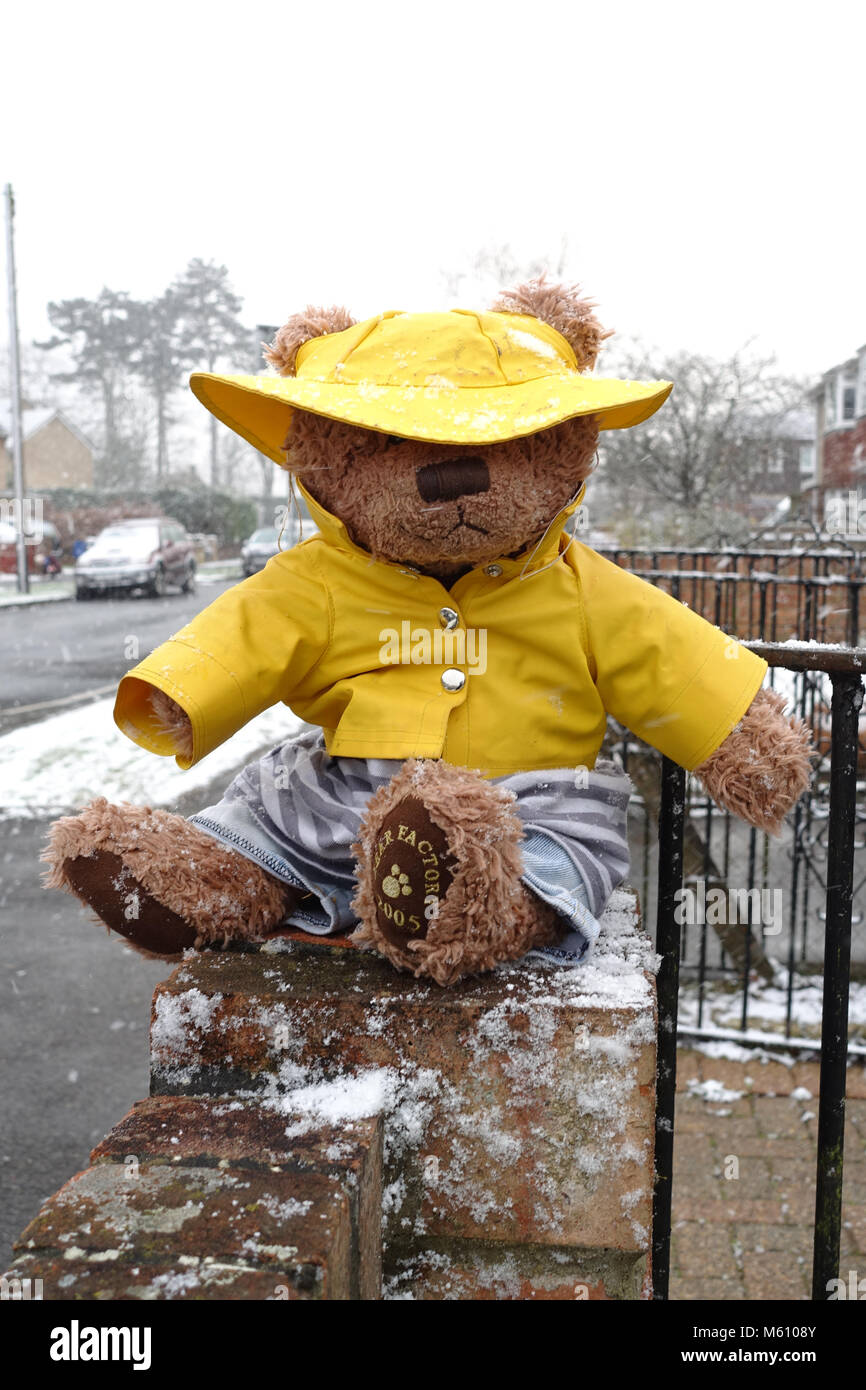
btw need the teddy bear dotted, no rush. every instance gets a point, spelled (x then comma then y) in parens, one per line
(454, 648)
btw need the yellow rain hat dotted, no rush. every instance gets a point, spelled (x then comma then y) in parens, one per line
(456, 377)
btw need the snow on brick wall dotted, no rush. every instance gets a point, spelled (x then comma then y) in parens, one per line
(518, 1107)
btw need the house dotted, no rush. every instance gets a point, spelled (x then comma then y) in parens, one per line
(783, 465)
(56, 454)
(840, 413)
(775, 465)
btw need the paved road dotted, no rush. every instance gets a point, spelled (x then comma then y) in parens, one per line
(73, 1032)
(75, 1003)
(53, 651)
(74, 1022)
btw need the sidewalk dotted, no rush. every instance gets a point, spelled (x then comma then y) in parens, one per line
(57, 589)
(745, 1150)
(61, 588)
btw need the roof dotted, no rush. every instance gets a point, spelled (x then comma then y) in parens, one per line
(796, 424)
(35, 418)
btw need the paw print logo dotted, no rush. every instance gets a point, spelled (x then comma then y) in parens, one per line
(396, 883)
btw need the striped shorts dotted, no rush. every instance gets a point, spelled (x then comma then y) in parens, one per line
(297, 812)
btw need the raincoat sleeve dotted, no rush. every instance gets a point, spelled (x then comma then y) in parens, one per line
(250, 649)
(676, 681)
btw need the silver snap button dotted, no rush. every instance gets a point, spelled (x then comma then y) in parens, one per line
(448, 618)
(494, 571)
(453, 680)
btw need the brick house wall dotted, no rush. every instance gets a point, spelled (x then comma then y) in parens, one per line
(55, 455)
(845, 456)
(841, 421)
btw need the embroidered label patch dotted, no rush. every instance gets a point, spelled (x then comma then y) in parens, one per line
(410, 875)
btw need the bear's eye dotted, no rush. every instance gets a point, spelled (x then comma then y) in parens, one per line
(393, 440)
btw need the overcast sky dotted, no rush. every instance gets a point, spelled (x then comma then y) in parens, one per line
(705, 165)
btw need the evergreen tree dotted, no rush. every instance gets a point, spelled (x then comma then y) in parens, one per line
(160, 361)
(102, 337)
(210, 332)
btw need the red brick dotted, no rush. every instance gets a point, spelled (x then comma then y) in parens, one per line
(689, 1067)
(186, 1279)
(530, 1108)
(294, 1227)
(856, 1087)
(776, 1275)
(464, 1270)
(688, 1287)
(206, 1132)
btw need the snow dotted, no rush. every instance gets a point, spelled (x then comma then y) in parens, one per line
(713, 1091)
(175, 1014)
(33, 419)
(723, 1009)
(452, 1132)
(59, 593)
(343, 1098)
(63, 762)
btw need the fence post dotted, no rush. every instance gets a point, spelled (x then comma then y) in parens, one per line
(845, 709)
(671, 823)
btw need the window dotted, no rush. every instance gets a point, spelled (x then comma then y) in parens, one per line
(840, 397)
(776, 460)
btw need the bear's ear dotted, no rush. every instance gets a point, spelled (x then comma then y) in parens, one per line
(562, 307)
(312, 323)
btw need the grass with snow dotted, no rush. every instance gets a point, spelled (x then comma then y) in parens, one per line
(63, 762)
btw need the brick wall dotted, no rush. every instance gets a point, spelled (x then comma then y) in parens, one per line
(322, 1127)
(845, 456)
(769, 596)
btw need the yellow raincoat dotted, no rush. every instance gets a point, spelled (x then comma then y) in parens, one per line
(567, 640)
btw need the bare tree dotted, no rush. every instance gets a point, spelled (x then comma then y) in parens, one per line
(677, 477)
(494, 268)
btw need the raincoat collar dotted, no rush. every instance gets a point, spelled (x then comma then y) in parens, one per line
(530, 560)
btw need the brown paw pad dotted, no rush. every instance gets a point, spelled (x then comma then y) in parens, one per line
(411, 872)
(104, 882)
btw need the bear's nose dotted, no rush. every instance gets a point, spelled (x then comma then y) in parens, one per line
(445, 482)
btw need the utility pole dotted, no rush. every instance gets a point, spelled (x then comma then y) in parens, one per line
(15, 397)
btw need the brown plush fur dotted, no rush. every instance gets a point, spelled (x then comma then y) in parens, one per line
(487, 915)
(369, 480)
(562, 307)
(224, 896)
(312, 323)
(172, 721)
(763, 767)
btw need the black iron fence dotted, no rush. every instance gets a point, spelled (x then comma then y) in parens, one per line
(814, 594)
(801, 609)
(844, 670)
(752, 967)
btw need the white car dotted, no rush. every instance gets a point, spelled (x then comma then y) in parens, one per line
(147, 553)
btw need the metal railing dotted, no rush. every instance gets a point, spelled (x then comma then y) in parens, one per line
(771, 594)
(844, 669)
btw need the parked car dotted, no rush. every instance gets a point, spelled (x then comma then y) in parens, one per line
(147, 553)
(270, 540)
(259, 547)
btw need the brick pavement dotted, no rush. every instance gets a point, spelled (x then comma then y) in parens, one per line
(744, 1178)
